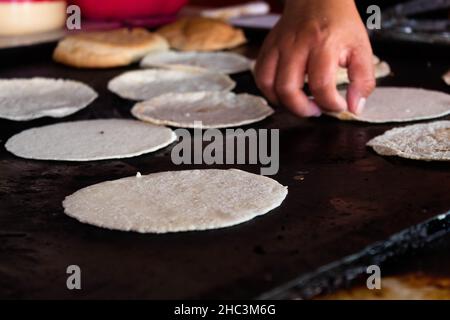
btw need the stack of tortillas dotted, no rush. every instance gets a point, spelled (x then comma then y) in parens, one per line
(425, 141)
(90, 140)
(202, 34)
(27, 99)
(176, 201)
(395, 104)
(107, 49)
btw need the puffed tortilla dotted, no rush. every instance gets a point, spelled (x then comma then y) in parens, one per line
(150, 83)
(28, 99)
(90, 140)
(396, 104)
(176, 201)
(425, 141)
(224, 62)
(210, 109)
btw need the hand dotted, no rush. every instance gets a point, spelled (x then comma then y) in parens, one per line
(314, 37)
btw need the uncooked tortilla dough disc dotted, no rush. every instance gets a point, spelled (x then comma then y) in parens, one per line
(212, 109)
(90, 140)
(176, 201)
(147, 84)
(425, 141)
(391, 104)
(27, 99)
(224, 62)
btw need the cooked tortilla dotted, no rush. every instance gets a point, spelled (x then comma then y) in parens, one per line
(28, 99)
(395, 104)
(425, 141)
(176, 201)
(210, 109)
(224, 62)
(147, 84)
(90, 140)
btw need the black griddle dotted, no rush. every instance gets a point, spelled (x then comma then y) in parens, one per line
(348, 202)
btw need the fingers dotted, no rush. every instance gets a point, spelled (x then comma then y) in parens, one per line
(265, 70)
(289, 80)
(322, 68)
(362, 80)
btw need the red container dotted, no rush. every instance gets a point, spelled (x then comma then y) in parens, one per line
(127, 9)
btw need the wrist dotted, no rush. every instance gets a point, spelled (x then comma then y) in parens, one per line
(342, 11)
(319, 6)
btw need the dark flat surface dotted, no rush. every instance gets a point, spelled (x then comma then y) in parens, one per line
(349, 198)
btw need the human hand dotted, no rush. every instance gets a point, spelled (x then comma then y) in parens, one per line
(315, 38)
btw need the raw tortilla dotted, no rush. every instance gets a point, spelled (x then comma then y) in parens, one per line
(213, 109)
(147, 84)
(176, 201)
(391, 104)
(446, 77)
(27, 99)
(224, 62)
(90, 140)
(425, 141)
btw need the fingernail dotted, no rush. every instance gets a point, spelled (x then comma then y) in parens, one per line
(342, 103)
(361, 105)
(314, 109)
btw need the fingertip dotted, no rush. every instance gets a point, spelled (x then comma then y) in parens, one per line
(314, 109)
(341, 104)
(357, 96)
(309, 109)
(360, 105)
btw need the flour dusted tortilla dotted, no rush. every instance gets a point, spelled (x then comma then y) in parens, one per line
(425, 141)
(90, 140)
(147, 84)
(176, 201)
(395, 104)
(212, 109)
(27, 99)
(224, 62)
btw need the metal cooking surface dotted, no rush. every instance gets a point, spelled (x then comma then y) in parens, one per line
(349, 198)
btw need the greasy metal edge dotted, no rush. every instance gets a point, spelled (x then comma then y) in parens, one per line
(337, 274)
